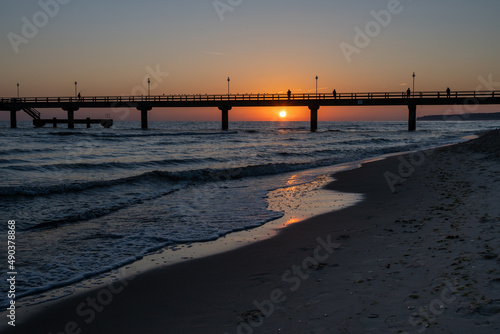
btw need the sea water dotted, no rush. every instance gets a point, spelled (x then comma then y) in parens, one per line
(87, 201)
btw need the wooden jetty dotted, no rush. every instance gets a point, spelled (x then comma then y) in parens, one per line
(106, 122)
(39, 122)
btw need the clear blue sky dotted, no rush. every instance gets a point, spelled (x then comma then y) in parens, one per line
(263, 45)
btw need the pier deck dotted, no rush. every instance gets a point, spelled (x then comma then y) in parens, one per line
(227, 101)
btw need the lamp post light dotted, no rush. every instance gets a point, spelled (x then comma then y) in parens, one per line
(76, 83)
(413, 84)
(228, 80)
(316, 86)
(18, 90)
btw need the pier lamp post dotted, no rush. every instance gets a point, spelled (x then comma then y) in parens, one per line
(316, 86)
(413, 84)
(149, 87)
(76, 83)
(18, 90)
(228, 80)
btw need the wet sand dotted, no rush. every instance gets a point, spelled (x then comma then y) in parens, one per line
(419, 254)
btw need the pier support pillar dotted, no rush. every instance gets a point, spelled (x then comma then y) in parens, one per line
(71, 119)
(144, 119)
(54, 122)
(412, 117)
(13, 119)
(144, 115)
(71, 116)
(225, 116)
(314, 117)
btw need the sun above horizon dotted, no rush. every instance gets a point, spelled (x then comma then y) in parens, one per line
(283, 114)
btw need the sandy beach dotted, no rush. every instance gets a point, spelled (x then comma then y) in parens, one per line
(419, 254)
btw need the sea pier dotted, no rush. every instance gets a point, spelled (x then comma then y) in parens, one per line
(106, 122)
(226, 102)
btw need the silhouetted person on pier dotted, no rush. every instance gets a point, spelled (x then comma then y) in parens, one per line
(335, 94)
(289, 94)
(408, 92)
(448, 92)
(79, 96)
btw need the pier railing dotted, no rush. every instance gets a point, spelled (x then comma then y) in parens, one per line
(225, 102)
(255, 97)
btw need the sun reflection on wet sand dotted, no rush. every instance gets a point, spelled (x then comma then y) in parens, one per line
(299, 202)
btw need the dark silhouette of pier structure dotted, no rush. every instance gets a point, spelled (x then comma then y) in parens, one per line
(227, 101)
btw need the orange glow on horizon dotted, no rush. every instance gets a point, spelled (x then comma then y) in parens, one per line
(252, 114)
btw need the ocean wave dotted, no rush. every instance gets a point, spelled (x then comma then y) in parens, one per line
(107, 135)
(102, 236)
(292, 128)
(365, 141)
(94, 213)
(73, 167)
(34, 191)
(68, 133)
(293, 154)
(190, 176)
(17, 151)
(12, 161)
(156, 243)
(326, 151)
(75, 279)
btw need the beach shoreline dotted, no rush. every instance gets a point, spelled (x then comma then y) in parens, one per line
(212, 298)
(297, 202)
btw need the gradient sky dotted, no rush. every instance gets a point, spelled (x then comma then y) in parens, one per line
(265, 46)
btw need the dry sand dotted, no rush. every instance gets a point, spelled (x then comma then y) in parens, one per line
(424, 258)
